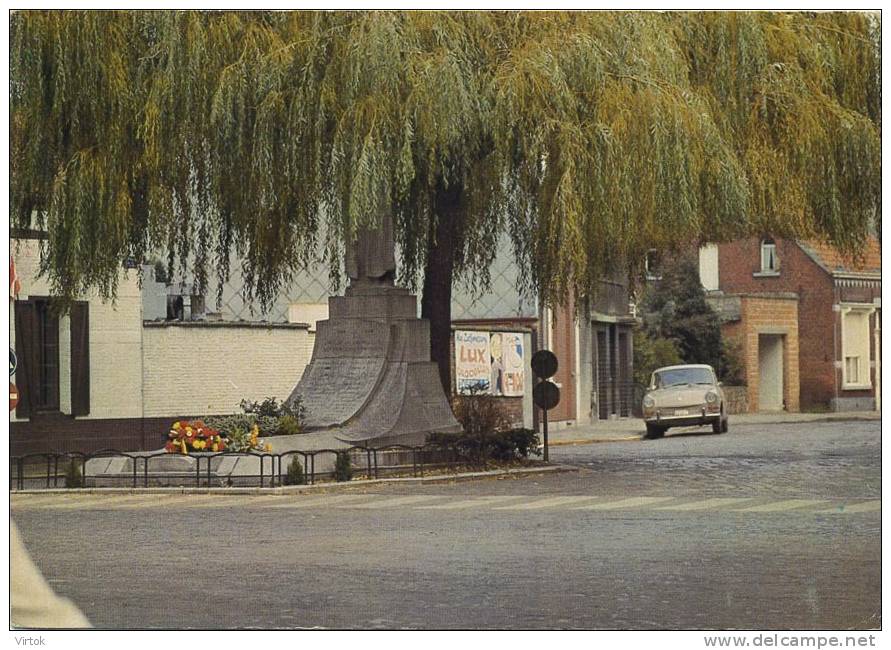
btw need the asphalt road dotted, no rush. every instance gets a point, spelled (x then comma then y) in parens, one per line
(768, 527)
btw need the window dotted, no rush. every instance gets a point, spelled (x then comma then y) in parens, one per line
(770, 263)
(855, 348)
(37, 348)
(852, 370)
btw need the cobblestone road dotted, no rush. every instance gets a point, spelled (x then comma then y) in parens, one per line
(770, 527)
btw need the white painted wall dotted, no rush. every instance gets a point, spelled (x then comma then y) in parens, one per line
(208, 368)
(308, 312)
(708, 267)
(172, 369)
(115, 340)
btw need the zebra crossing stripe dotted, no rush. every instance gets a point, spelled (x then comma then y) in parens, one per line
(547, 503)
(782, 506)
(300, 501)
(102, 502)
(705, 504)
(31, 501)
(634, 502)
(469, 503)
(394, 502)
(844, 508)
(67, 502)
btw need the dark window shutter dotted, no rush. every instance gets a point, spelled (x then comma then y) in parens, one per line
(80, 358)
(26, 377)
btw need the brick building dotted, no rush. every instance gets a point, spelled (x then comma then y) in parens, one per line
(807, 319)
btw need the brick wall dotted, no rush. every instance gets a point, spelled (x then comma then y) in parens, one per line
(563, 344)
(208, 368)
(798, 274)
(771, 316)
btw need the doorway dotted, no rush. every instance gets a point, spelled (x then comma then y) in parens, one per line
(770, 372)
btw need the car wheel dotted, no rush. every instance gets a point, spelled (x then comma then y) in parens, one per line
(725, 425)
(654, 432)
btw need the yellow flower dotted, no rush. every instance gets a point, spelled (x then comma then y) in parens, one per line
(176, 425)
(215, 447)
(268, 447)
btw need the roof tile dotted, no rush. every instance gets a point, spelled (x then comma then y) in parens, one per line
(832, 259)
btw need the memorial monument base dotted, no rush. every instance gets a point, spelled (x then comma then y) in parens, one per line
(370, 380)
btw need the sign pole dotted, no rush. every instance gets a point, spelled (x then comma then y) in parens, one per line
(546, 394)
(545, 422)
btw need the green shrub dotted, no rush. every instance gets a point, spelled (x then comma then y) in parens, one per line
(510, 444)
(229, 423)
(523, 442)
(271, 417)
(288, 425)
(343, 467)
(483, 419)
(651, 353)
(272, 408)
(73, 476)
(295, 474)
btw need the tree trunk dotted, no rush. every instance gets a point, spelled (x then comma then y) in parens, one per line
(436, 300)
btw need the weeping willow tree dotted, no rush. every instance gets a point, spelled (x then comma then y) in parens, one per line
(588, 137)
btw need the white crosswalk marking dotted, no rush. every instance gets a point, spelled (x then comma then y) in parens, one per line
(99, 502)
(706, 504)
(301, 501)
(477, 502)
(634, 502)
(34, 501)
(547, 503)
(782, 506)
(844, 508)
(393, 503)
(506, 503)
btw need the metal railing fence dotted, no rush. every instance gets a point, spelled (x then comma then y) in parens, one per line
(42, 469)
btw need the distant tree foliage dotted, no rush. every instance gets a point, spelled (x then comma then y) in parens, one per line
(588, 137)
(652, 352)
(679, 326)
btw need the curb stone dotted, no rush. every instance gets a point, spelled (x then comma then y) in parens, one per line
(590, 441)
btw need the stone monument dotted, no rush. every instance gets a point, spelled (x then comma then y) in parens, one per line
(370, 380)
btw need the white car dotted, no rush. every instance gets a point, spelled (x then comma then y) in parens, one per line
(683, 396)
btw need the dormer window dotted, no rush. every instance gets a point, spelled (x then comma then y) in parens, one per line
(770, 263)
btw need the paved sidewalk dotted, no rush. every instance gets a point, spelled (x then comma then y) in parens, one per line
(633, 428)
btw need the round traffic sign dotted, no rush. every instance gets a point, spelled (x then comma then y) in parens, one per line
(544, 364)
(13, 362)
(546, 395)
